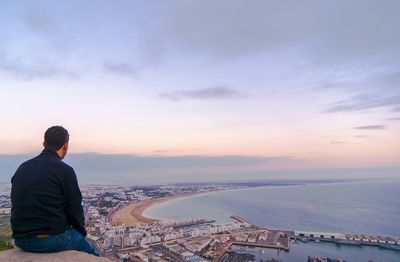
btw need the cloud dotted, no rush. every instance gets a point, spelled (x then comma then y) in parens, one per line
(394, 119)
(48, 32)
(215, 29)
(202, 94)
(361, 136)
(338, 142)
(397, 109)
(140, 170)
(96, 168)
(385, 78)
(30, 70)
(359, 103)
(219, 29)
(371, 127)
(40, 22)
(121, 68)
(135, 162)
(223, 29)
(379, 88)
(36, 44)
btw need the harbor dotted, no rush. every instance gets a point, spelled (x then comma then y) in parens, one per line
(349, 239)
(186, 230)
(278, 239)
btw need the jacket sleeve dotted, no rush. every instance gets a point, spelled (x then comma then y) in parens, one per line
(73, 200)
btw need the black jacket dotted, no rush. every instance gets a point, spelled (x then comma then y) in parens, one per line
(45, 197)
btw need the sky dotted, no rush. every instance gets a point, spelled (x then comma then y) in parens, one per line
(198, 90)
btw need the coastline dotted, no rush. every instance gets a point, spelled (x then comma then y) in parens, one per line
(298, 249)
(132, 214)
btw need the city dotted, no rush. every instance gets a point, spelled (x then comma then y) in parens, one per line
(192, 240)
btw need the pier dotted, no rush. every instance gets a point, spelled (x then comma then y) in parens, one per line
(242, 220)
(349, 239)
(190, 223)
(255, 236)
(305, 236)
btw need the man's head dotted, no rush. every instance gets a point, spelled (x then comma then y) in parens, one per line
(56, 140)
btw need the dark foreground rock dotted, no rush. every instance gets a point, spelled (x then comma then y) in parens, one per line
(17, 255)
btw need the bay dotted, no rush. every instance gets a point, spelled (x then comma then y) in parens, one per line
(369, 207)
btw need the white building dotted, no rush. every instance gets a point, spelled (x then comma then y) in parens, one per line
(320, 235)
(252, 238)
(241, 237)
(263, 236)
(150, 240)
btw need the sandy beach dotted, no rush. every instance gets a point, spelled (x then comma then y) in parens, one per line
(132, 214)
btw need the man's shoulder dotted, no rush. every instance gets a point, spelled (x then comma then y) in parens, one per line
(29, 162)
(67, 167)
(62, 166)
(40, 161)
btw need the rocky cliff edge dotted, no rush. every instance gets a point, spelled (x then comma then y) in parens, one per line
(17, 255)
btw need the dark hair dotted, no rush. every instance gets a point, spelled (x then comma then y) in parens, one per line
(55, 137)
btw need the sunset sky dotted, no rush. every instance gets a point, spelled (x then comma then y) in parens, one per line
(210, 86)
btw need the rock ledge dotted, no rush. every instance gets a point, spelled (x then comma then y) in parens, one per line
(17, 255)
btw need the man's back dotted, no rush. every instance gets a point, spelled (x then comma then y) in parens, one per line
(45, 197)
(46, 202)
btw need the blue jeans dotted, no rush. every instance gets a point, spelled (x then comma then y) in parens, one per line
(69, 240)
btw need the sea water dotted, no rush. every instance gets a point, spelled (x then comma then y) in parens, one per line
(370, 207)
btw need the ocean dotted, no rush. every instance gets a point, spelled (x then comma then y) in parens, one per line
(369, 207)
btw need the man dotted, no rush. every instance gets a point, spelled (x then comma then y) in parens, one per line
(46, 212)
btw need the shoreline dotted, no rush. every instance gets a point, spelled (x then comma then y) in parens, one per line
(132, 214)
